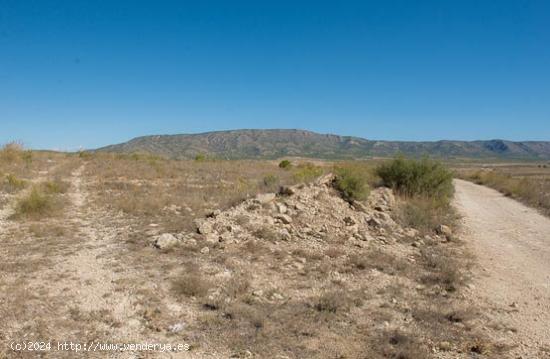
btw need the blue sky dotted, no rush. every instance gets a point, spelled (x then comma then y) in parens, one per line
(89, 73)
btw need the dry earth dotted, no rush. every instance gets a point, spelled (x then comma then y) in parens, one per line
(296, 274)
(512, 245)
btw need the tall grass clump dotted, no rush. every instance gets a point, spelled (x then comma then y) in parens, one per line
(409, 177)
(13, 184)
(35, 204)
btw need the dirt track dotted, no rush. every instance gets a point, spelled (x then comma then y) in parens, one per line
(512, 245)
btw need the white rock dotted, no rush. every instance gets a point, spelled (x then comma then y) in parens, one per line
(205, 250)
(265, 197)
(284, 218)
(165, 240)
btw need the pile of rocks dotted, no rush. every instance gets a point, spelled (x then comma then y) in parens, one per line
(303, 212)
(309, 213)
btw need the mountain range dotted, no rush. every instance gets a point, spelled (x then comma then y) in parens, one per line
(278, 143)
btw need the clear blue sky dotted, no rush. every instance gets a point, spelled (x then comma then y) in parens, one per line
(89, 73)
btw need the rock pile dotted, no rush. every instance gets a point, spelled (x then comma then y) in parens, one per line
(303, 212)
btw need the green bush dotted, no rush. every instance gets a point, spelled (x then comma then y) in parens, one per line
(417, 178)
(353, 183)
(201, 157)
(285, 164)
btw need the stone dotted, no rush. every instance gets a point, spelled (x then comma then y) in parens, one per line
(373, 222)
(205, 250)
(176, 328)
(205, 227)
(281, 208)
(286, 191)
(265, 197)
(165, 240)
(212, 238)
(284, 218)
(349, 221)
(445, 231)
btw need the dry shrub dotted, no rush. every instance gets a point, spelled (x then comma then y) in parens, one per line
(36, 204)
(191, 285)
(13, 184)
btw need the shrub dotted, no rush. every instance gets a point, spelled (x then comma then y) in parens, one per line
(352, 182)
(191, 285)
(55, 186)
(201, 157)
(11, 152)
(285, 164)
(270, 180)
(425, 214)
(417, 177)
(307, 172)
(12, 183)
(36, 203)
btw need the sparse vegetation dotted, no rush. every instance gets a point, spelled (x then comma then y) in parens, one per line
(533, 190)
(306, 172)
(13, 184)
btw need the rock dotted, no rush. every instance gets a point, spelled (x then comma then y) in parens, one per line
(383, 217)
(445, 346)
(373, 222)
(411, 232)
(165, 240)
(358, 206)
(265, 197)
(205, 250)
(214, 214)
(286, 191)
(325, 180)
(284, 218)
(212, 238)
(281, 208)
(349, 221)
(176, 328)
(445, 231)
(204, 227)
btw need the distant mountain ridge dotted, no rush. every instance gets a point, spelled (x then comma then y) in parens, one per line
(277, 143)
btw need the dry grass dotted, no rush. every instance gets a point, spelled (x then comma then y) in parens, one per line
(529, 184)
(264, 296)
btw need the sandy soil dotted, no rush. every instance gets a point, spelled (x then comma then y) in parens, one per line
(512, 278)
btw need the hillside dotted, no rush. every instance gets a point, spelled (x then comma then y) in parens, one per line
(269, 144)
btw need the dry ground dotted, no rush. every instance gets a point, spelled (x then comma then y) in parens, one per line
(85, 270)
(512, 245)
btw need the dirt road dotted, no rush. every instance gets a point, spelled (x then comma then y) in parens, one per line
(512, 245)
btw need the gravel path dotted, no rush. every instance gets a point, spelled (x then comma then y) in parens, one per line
(512, 246)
